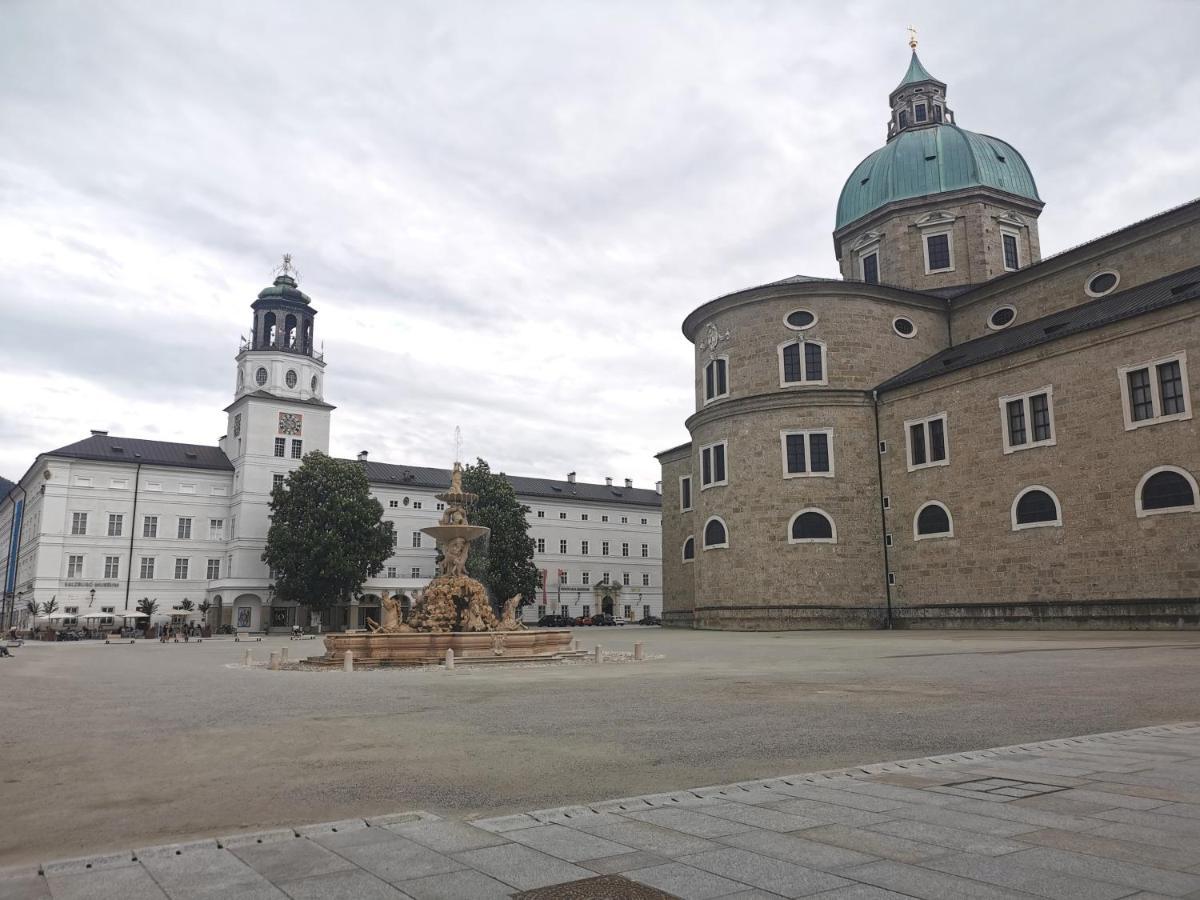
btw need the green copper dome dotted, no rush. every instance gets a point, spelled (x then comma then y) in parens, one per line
(933, 160)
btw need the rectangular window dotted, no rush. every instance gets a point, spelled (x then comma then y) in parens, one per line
(391, 571)
(147, 568)
(903, 118)
(214, 570)
(393, 504)
(415, 572)
(625, 549)
(116, 524)
(937, 113)
(1016, 422)
(604, 518)
(79, 523)
(1155, 391)
(280, 447)
(562, 576)
(870, 268)
(628, 609)
(712, 465)
(74, 566)
(586, 578)
(583, 548)
(685, 493)
(807, 453)
(920, 113)
(297, 448)
(645, 579)
(184, 529)
(187, 488)
(562, 546)
(813, 368)
(625, 578)
(181, 568)
(716, 379)
(112, 567)
(604, 548)
(624, 520)
(418, 504)
(276, 481)
(150, 527)
(1039, 413)
(802, 362)
(1012, 257)
(583, 517)
(416, 539)
(541, 545)
(562, 515)
(645, 550)
(927, 442)
(541, 514)
(216, 529)
(937, 253)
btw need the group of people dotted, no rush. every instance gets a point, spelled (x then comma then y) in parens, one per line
(174, 632)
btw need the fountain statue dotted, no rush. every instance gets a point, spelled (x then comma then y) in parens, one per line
(452, 612)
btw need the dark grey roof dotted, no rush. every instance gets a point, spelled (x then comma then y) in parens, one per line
(1178, 288)
(419, 476)
(153, 453)
(5, 487)
(267, 395)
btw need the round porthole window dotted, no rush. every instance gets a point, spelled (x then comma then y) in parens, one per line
(904, 327)
(1102, 283)
(261, 376)
(799, 319)
(1001, 318)
(314, 384)
(290, 378)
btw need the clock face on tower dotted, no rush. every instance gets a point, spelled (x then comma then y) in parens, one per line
(290, 423)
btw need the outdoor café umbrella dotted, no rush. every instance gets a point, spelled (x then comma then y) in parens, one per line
(60, 614)
(136, 614)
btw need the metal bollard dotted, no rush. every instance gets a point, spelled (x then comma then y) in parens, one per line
(639, 650)
(247, 659)
(273, 662)
(348, 661)
(599, 653)
(449, 659)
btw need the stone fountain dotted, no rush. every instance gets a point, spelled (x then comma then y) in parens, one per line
(452, 613)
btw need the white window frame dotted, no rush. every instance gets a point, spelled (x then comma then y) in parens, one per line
(862, 267)
(112, 567)
(683, 549)
(142, 560)
(1137, 494)
(216, 529)
(120, 523)
(180, 528)
(1048, 390)
(832, 539)
(415, 572)
(187, 568)
(150, 523)
(917, 536)
(1155, 391)
(1016, 236)
(208, 570)
(707, 546)
(806, 433)
(724, 444)
(72, 572)
(900, 333)
(791, 327)
(927, 118)
(692, 499)
(924, 422)
(1056, 523)
(79, 524)
(704, 381)
(803, 382)
(541, 545)
(949, 233)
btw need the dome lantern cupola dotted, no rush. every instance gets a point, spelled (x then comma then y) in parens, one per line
(919, 101)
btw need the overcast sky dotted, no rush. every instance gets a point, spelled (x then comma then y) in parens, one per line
(502, 210)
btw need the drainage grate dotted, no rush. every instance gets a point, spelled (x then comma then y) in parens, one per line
(1005, 787)
(605, 887)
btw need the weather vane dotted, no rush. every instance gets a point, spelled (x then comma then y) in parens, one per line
(287, 268)
(912, 37)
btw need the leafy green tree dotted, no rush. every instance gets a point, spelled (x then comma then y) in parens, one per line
(327, 533)
(503, 560)
(49, 606)
(147, 606)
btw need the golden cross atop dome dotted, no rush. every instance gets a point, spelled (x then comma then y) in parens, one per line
(912, 37)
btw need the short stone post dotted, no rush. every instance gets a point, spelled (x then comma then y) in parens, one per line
(348, 661)
(599, 653)
(449, 659)
(577, 643)
(273, 662)
(247, 659)
(283, 656)
(639, 650)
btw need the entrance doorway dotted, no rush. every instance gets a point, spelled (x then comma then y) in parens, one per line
(606, 606)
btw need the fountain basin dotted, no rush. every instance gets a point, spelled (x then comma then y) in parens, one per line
(441, 533)
(417, 648)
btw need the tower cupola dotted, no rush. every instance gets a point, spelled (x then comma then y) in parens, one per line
(283, 315)
(919, 101)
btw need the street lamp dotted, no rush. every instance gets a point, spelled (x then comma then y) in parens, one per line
(91, 597)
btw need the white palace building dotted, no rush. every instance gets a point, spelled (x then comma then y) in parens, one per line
(102, 523)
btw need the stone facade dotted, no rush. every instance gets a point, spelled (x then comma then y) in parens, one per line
(918, 346)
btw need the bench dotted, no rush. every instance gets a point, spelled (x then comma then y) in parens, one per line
(246, 636)
(116, 638)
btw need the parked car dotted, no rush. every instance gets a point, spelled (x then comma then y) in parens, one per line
(553, 621)
(650, 620)
(584, 620)
(603, 619)
(620, 620)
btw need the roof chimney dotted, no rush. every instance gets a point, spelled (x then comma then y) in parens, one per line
(608, 481)
(571, 477)
(362, 455)
(96, 432)
(658, 487)
(628, 482)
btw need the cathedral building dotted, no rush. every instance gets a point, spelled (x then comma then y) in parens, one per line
(100, 524)
(957, 432)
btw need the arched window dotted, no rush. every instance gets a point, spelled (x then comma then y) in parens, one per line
(716, 378)
(812, 526)
(1036, 507)
(801, 362)
(289, 332)
(715, 534)
(269, 330)
(689, 549)
(932, 520)
(1166, 489)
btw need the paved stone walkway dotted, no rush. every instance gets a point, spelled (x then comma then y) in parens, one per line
(1093, 818)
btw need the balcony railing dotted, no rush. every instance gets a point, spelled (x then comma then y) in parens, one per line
(244, 345)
